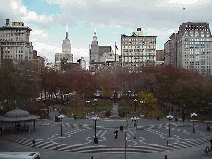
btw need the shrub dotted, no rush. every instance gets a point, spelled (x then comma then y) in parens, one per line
(108, 113)
(122, 114)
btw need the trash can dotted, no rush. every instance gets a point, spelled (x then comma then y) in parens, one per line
(158, 118)
(121, 128)
(95, 140)
(208, 128)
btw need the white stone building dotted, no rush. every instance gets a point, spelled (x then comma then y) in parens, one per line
(137, 51)
(15, 44)
(194, 47)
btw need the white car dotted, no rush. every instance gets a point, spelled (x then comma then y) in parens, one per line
(61, 116)
(135, 118)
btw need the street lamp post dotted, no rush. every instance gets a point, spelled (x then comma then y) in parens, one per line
(95, 100)
(127, 125)
(193, 115)
(61, 117)
(95, 139)
(135, 119)
(183, 114)
(142, 102)
(170, 118)
(135, 104)
(129, 91)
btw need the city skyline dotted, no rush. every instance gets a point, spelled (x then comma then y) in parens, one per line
(49, 19)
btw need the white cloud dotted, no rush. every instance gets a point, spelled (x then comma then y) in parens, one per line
(158, 18)
(109, 1)
(46, 50)
(180, 3)
(38, 35)
(188, 2)
(14, 5)
(29, 17)
(162, 34)
(64, 2)
(33, 17)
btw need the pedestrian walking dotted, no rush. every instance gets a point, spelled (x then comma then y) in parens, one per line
(34, 145)
(116, 134)
(75, 117)
(92, 157)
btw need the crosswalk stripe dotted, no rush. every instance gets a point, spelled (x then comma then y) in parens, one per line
(20, 141)
(48, 146)
(13, 138)
(191, 143)
(95, 149)
(180, 145)
(16, 139)
(26, 141)
(186, 144)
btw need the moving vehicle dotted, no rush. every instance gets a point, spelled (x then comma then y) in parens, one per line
(22, 155)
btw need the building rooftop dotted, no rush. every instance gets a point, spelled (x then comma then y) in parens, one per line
(196, 22)
(123, 35)
(15, 27)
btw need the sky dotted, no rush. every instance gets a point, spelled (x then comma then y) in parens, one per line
(49, 19)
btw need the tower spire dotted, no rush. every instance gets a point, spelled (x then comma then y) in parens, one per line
(66, 35)
(94, 36)
(67, 31)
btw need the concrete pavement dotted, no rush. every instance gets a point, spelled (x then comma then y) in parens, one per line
(189, 153)
(77, 139)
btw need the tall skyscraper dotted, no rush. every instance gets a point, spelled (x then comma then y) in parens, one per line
(194, 47)
(191, 47)
(66, 53)
(66, 49)
(94, 51)
(99, 56)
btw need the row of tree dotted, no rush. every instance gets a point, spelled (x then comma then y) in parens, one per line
(20, 84)
(177, 86)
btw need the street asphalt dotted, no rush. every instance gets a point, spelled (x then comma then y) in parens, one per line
(150, 140)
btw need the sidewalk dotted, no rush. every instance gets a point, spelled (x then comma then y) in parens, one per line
(188, 153)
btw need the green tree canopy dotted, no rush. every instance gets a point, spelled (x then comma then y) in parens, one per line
(150, 103)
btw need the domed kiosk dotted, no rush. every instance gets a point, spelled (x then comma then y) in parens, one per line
(18, 116)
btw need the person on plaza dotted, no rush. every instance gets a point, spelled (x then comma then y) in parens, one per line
(92, 157)
(184, 117)
(75, 117)
(18, 127)
(116, 133)
(34, 145)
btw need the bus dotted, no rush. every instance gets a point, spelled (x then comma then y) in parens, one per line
(21, 155)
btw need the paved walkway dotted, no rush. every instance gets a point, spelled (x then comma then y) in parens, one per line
(188, 153)
(50, 148)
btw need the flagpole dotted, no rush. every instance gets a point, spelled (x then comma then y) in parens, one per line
(115, 61)
(115, 71)
(115, 51)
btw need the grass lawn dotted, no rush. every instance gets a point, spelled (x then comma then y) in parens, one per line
(103, 105)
